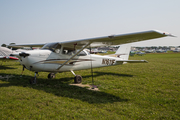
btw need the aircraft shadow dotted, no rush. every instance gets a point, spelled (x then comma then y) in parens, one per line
(6, 67)
(96, 74)
(61, 87)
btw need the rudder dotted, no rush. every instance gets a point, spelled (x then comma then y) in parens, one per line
(123, 51)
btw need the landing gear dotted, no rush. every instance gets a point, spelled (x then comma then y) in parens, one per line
(22, 70)
(51, 75)
(77, 79)
(33, 79)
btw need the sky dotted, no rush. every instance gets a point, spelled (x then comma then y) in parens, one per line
(42, 21)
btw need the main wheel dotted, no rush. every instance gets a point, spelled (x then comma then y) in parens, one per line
(51, 75)
(77, 79)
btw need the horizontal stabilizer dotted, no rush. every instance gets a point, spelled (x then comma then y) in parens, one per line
(132, 61)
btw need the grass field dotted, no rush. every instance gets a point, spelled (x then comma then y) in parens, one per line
(131, 91)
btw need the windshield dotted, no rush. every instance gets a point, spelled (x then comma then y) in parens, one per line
(55, 47)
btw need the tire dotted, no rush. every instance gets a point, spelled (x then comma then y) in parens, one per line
(51, 75)
(77, 79)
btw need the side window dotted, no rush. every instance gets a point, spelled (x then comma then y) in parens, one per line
(68, 51)
(57, 50)
(82, 53)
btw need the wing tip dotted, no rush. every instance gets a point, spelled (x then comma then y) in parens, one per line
(164, 33)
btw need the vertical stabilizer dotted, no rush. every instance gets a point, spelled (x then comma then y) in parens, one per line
(123, 51)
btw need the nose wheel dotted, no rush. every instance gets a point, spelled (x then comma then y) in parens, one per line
(77, 78)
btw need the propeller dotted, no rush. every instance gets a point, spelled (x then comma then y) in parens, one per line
(23, 54)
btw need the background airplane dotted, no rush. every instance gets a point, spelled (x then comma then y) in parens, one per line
(5, 54)
(140, 53)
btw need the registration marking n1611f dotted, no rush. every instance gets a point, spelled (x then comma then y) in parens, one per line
(108, 61)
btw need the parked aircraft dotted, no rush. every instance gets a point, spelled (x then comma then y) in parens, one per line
(176, 51)
(161, 51)
(132, 53)
(140, 53)
(4, 54)
(70, 55)
(149, 51)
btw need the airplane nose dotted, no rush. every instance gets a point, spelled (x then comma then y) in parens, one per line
(23, 54)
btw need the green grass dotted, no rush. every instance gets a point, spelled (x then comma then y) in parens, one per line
(130, 91)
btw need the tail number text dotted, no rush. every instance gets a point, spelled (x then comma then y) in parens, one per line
(108, 61)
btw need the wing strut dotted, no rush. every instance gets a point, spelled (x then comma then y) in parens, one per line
(73, 56)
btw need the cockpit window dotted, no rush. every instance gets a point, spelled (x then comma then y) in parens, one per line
(55, 47)
(71, 51)
(68, 51)
(82, 53)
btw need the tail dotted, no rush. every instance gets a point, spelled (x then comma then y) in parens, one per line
(123, 51)
(5, 51)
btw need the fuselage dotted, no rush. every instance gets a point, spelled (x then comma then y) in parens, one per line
(49, 61)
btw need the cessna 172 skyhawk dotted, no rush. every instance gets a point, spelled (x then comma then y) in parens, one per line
(70, 55)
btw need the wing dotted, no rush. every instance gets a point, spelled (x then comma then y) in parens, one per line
(2, 57)
(27, 45)
(116, 39)
(8, 58)
(5, 51)
(107, 40)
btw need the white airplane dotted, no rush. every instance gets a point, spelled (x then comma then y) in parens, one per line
(4, 54)
(70, 55)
